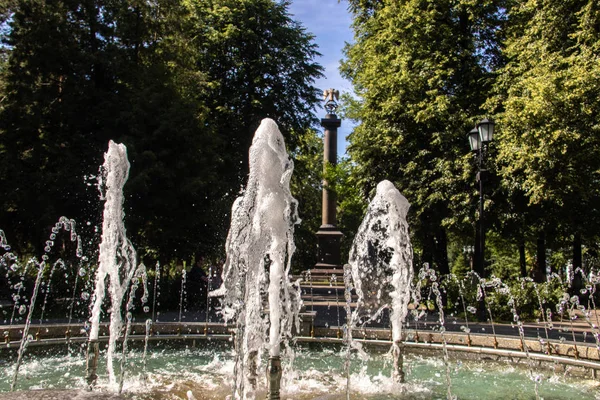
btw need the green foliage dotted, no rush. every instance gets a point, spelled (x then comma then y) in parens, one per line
(417, 68)
(503, 257)
(460, 255)
(547, 104)
(352, 201)
(306, 187)
(260, 64)
(183, 83)
(531, 300)
(460, 265)
(424, 72)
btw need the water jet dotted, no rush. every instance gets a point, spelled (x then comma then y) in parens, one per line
(397, 343)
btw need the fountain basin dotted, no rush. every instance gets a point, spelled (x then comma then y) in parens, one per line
(187, 366)
(585, 355)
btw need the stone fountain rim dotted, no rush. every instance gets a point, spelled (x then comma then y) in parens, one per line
(424, 341)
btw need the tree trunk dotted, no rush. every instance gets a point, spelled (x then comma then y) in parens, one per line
(577, 283)
(539, 274)
(522, 260)
(441, 252)
(428, 250)
(577, 255)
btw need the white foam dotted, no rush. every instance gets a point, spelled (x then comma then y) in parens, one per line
(261, 237)
(381, 257)
(117, 258)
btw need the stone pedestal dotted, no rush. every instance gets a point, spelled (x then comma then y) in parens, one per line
(328, 252)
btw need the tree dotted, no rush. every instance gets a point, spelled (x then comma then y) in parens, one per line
(418, 68)
(547, 106)
(174, 190)
(54, 79)
(183, 84)
(259, 63)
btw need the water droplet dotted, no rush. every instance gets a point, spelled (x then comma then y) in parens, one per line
(146, 309)
(471, 309)
(79, 250)
(85, 296)
(22, 309)
(82, 271)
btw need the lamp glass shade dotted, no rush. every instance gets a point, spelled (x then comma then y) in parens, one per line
(474, 140)
(486, 130)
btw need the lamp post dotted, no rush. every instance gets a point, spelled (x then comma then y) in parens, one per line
(479, 138)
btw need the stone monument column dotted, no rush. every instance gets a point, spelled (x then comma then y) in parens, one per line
(329, 236)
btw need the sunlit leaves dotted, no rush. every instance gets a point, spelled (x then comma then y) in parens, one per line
(419, 68)
(548, 92)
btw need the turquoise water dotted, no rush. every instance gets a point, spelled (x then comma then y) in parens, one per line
(185, 372)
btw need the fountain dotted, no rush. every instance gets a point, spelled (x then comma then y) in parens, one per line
(393, 319)
(261, 239)
(117, 260)
(381, 267)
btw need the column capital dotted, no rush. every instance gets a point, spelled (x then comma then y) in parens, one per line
(331, 121)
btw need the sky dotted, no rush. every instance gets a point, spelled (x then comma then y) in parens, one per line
(329, 21)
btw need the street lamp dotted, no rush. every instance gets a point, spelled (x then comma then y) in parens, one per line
(479, 137)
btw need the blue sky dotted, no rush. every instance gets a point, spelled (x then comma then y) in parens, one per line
(329, 21)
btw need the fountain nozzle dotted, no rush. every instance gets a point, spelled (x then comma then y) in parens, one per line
(398, 360)
(93, 352)
(274, 373)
